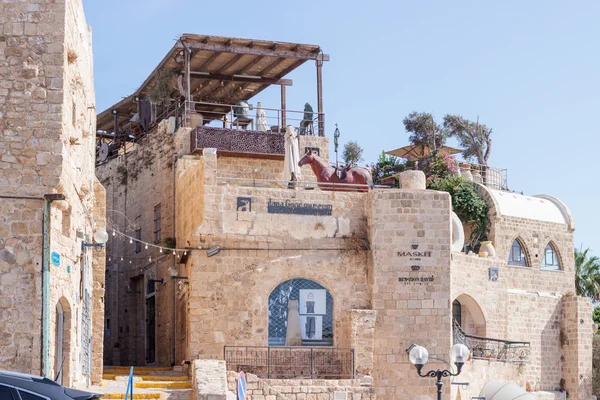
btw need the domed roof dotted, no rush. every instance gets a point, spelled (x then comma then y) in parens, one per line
(541, 207)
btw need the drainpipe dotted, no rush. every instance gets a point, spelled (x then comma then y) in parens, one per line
(174, 159)
(48, 199)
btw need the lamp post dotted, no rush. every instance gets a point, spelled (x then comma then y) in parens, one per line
(419, 355)
(336, 136)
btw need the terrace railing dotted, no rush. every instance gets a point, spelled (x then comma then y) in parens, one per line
(483, 348)
(250, 181)
(291, 362)
(231, 116)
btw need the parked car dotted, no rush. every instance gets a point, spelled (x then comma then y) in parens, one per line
(17, 386)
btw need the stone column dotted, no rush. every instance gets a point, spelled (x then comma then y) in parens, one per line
(99, 277)
(359, 334)
(577, 336)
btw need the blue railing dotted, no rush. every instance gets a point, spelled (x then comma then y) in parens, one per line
(129, 390)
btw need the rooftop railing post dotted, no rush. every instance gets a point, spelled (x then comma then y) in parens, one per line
(320, 97)
(283, 107)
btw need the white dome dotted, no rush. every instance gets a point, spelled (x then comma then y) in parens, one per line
(540, 208)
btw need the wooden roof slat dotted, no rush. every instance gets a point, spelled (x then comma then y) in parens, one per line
(209, 61)
(257, 51)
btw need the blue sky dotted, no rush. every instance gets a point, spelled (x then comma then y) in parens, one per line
(528, 69)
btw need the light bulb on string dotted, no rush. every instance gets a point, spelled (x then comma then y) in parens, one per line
(109, 259)
(114, 233)
(121, 258)
(146, 246)
(149, 259)
(160, 250)
(129, 261)
(130, 240)
(185, 253)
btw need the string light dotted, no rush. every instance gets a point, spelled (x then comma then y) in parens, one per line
(114, 233)
(130, 241)
(160, 250)
(129, 261)
(121, 258)
(149, 259)
(146, 247)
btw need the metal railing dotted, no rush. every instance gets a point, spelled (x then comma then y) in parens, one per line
(483, 348)
(231, 116)
(491, 177)
(279, 184)
(291, 362)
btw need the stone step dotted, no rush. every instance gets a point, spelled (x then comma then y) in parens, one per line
(163, 385)
(164, 378)
(124, 369)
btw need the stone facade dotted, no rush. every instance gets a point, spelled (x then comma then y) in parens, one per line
(385, 257)
(47, 127)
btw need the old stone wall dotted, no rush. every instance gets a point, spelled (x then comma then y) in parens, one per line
(409, 302)
(302, 389)
(358, 333)
(140, 201)
(577, 333)
(47, 125)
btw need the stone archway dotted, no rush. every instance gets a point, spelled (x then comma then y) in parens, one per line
(473, 319)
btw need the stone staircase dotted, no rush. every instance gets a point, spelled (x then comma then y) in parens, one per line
(148, 383)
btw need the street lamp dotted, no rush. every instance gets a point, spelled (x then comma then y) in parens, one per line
(100, 237)
(419, 356)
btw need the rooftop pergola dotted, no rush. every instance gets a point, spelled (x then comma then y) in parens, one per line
(220, 70)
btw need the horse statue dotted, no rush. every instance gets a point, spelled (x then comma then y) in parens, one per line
(326, 174)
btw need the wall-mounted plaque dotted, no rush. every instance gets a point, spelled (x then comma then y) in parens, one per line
(290, 207)
(494, 274)
(313, 150)
(244, 204)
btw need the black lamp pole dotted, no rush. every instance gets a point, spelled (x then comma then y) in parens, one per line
(439, 374)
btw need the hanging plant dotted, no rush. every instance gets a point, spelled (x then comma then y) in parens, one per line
(162, 86)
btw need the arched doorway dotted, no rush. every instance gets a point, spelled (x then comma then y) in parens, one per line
(62, 350)
(468, 315)
(300, 314)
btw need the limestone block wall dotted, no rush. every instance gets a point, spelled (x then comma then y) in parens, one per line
(358, 333)
(412, 306)
(47, 146)
(577, 336)
(137, 184)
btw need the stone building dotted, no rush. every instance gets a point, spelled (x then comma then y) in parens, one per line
(316, 293)
(51, 286)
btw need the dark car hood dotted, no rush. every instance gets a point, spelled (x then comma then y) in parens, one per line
(81, 395)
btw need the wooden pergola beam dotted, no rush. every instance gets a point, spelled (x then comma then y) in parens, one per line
(209, 61)
(256, 51)
(241, 78)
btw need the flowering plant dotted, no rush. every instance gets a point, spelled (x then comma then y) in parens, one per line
(439, 165)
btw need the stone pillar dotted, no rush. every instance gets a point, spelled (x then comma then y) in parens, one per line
(577, 336)
(412, 180)
(359, 334)
(209, 157)
(410, 233)
(210, 380)
(99, 277)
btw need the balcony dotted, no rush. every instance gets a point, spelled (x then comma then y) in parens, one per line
(483, 348)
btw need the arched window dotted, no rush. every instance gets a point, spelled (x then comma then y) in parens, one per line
(457, 312)
(517, 255)
(550, 259)
(300, 314)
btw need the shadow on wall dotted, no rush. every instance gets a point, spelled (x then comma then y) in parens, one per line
(596, 366)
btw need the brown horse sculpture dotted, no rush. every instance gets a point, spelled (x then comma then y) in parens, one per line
(326, 174)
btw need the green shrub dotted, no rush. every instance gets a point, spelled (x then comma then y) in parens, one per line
(467, 204)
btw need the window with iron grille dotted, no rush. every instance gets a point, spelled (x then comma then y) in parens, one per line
(300, 314)
(517, 255)
(550, 260)
(457, 312)
(157, 238)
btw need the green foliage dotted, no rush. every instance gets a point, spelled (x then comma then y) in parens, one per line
(587, 274)
(162, 86)
(385, 167)
(170, 243)
(352, 153)
(424, 130)
(596, 317)
(466, 203)
(473, 137)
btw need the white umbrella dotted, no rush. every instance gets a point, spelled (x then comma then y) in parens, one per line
(261, 118)
(291, 170)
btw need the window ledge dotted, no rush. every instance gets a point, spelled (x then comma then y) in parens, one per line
(552, 270)
(519, 266)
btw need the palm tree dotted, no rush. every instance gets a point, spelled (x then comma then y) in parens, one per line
(587, 274)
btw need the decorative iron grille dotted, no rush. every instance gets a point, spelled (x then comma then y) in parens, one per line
(278, 313)
(291, 362)
(493, 349)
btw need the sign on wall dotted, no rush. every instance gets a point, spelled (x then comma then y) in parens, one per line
(312, 303)
(244, 204)
(291, 207)
(55, 258)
